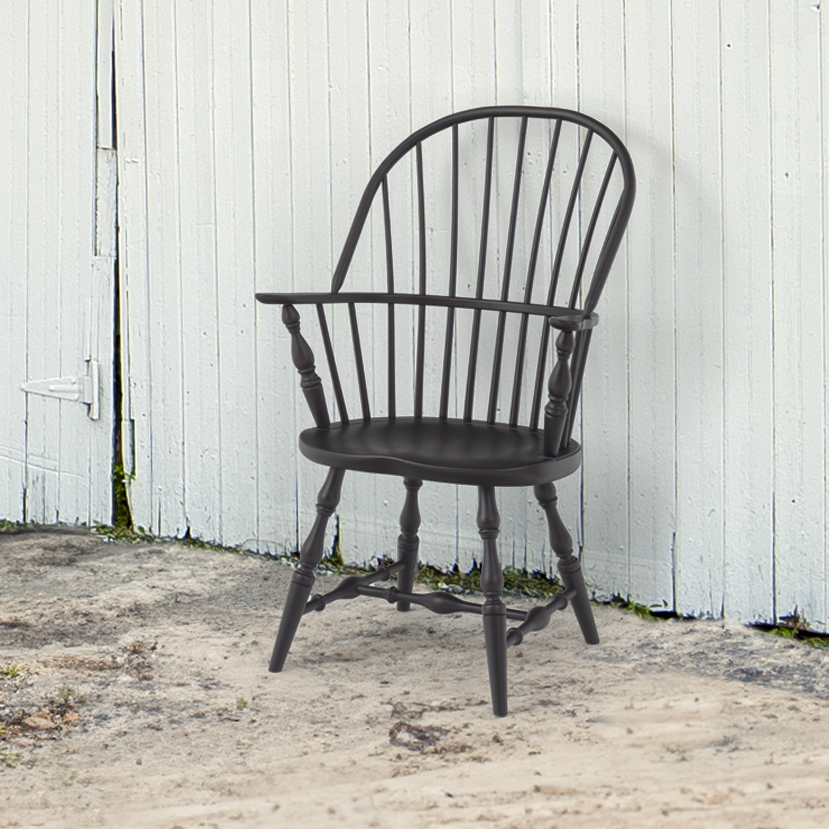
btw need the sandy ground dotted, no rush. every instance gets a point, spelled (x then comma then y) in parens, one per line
(145, 702)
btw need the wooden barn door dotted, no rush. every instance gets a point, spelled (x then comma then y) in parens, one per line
(57, 235)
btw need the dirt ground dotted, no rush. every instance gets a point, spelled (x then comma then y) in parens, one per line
(141, 699)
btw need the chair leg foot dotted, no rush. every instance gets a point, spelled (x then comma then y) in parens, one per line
(298, 594)
(408, 543)
(495, 636)
(494, 611)
(569, 566)
(571, 577)
(303, 579)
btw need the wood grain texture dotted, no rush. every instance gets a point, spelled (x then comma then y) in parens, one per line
(606, 391)
(699, 551)
(277, 391)
(61, 289)
(14, 163)
(245, 138)
(748, 370)
(652, 314)
(167, 262)
(798, 284)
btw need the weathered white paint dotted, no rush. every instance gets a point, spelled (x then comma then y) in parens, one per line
(246, 134)
(250, 137)
(56, 266)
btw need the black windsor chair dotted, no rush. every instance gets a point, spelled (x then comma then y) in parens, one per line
(584, 188)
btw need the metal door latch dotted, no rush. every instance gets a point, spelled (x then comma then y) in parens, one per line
(84, 389)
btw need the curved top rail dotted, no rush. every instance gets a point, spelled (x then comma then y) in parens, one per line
(620, 219)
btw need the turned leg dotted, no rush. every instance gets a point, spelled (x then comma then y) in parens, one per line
(303, 579)
(568, 564)
(407, 542)
(494, 612)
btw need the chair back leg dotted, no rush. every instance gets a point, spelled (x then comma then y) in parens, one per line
(569, 566)
(408, 543)
(303, 579)
(494, 611)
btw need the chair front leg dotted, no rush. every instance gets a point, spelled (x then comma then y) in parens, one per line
(408, 543)
(568, 564)
(303, 579)
(494, 611)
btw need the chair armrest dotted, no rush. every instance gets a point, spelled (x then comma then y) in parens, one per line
(563, 319)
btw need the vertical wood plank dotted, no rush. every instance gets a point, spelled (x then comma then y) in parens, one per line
(652, 465)
(700, 445)
(200, 349)
(166, 245)
(44, 300)
(606, 385)
(310, 195)
(74, 64)
(824, 202)
(14, 163)
(797, 278)
(749, 464)
(276, 382)
(136, 430)
(235, 272)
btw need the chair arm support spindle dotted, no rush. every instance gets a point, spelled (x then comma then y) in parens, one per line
(555, 412)
(303, 358)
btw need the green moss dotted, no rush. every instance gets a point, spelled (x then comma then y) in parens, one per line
(515, 580)
(793, 627)
(139, 535)
(134, 535)
(121, 515)
(11, 526)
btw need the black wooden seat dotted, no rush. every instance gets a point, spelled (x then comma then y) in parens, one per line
(568, 195)
(431, 449)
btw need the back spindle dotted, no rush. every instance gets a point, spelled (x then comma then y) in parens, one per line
(421, 311)
(453, 282)
(303, 358)
(332, 364)
(479, 290)
(358, 360)
(502, 316)
(392, 392)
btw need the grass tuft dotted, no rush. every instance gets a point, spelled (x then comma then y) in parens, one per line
(8, 757)
(793, 627)
(13, 670)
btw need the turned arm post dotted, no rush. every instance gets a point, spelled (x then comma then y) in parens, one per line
(303, 358)
(555, 412)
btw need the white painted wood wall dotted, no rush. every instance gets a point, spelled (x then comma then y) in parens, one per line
(57, 254)
(246, 133)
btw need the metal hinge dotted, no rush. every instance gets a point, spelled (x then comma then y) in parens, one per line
(84, 389)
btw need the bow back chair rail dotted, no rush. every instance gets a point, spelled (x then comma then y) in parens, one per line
(564, 212)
